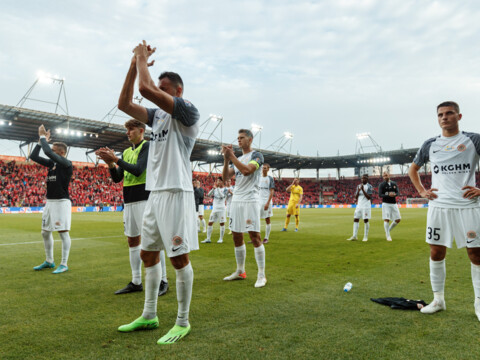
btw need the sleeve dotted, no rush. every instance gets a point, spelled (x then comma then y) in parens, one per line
(141, 165)
(301, 190)
(116, 173)
(151, 116)
(370, 190)
(475, 139)
(38, 159)
(381, 190)
(272, 183)
(423, 154)
(185, 112)
(211, 192)
(60, 160)
(397, 191)
(257, 159)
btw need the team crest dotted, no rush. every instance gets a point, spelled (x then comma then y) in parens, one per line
(249, 222)
(57, 223)
(461, 147)
(177, 241)
(471, 234)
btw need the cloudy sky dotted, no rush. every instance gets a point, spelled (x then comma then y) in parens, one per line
(323, 70)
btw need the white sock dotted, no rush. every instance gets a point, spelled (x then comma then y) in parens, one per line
(48, 243)
(209, 232)
(204, 224)
(476, 279)
(386, 227)
(268, 228)
(356, 225)
(66, 243)
(240, 255)
(222, 232)
(438, 274)
(184, 293)
(135, 264)
(164, 265)
(152, 282)
(365, 229)
(260, 258)
(392, 225)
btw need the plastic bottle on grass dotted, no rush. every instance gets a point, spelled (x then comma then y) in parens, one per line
(347, 287)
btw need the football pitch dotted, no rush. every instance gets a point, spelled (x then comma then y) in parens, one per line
(302, 313)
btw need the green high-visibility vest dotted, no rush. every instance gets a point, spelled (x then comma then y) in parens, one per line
(131, 156)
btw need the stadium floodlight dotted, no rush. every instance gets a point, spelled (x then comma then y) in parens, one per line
(256, 128)
(216, 118)
(213, 152)
(288, 135)
(9, 123)
(364, 135)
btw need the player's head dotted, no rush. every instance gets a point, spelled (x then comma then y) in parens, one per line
(219, 182)
(245, 138)
(171, 83)
(59, 148)
(265, 169)
(296, 181)
(448, 115)
(386, 176)
(228, 183)
(364, 178)
(135, 130)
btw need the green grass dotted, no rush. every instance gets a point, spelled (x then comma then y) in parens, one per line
(302, 313)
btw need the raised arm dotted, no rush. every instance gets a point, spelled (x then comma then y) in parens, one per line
(125, 101)
(227, 172)
(35, 156)
(59, 160)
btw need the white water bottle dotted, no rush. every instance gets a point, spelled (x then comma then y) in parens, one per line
(347, 287)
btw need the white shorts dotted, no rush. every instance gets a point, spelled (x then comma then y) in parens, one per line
(244, 217)
(265, 213)
(133, 218)
(201, 210)
(443, 225)
(57, 215)
(363, 213)
(390, 212)
(169, 223)
(218, 216)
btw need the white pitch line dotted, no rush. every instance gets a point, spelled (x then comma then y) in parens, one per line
(41, 242)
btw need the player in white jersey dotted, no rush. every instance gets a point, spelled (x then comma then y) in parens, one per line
(363, 194)
(453, 208)
(169, 217)
(267, 189)
(228, 185)
(219, 211)
(245, 213)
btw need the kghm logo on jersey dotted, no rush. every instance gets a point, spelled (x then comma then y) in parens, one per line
(461, 147)
(471, 234)
(452, 169)
(160, 136)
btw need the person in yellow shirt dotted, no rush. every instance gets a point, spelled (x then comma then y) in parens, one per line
(296, 196)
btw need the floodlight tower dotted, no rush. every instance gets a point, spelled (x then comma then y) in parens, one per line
(46, 78)
(282, 142)
(367, 143)
(210, 126)
(257, 130)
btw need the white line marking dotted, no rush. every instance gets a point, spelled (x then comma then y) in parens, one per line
(41, 242)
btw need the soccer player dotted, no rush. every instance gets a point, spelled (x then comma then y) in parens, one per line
(169, 217)
(199, 195)
(267, 188)
(245, 212)
(453, 208)
(132, 169)
(228, 185)
(57, 214)
(363, 195)
(388, 191)
(218, 214)
(296, 196)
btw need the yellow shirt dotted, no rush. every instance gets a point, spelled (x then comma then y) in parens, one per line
(295, 192)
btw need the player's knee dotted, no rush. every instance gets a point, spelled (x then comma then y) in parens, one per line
(356, 220)
(397, 221)
(365, 221)
(133, 241)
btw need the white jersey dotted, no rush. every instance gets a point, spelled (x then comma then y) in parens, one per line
(219, 195)
(453, 161)
(229, 195)
(363, 202)
(246, 187)
(171, 143)
(266, 183)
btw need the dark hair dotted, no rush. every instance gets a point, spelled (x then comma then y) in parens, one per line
(266, 164)
(450, 103)
(134, 123)
(173, 77)
(220, 178)
(246, 132)
(61, 145)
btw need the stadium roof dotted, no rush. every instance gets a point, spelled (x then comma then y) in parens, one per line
(21, 124)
